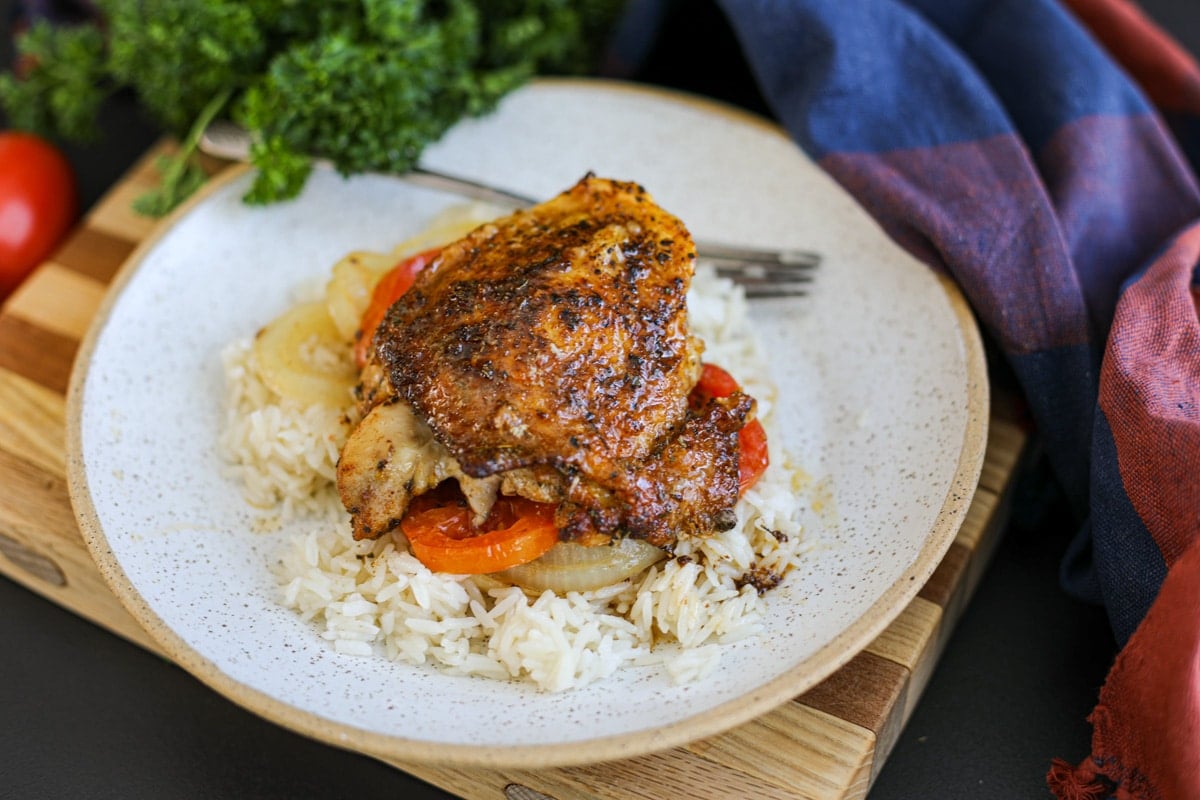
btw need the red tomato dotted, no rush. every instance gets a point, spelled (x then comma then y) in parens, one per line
(753, 457)
(37, 204)
(390, 288)
(442, 538)
(714, 382)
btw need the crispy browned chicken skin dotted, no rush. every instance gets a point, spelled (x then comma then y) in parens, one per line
(549, 355)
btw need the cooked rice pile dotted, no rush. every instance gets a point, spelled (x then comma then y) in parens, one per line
(374, 598)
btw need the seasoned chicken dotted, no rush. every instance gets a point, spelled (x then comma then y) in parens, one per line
(555, 335)
(391, 458)
(551, 349)
(687, 488)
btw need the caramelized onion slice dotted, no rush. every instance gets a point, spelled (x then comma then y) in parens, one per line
(569, 567)
(349, 289)
(302, 357)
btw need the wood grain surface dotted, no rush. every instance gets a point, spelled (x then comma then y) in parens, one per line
(827, 744)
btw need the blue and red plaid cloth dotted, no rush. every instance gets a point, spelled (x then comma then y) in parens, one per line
(1044, 154)
(1038, 152)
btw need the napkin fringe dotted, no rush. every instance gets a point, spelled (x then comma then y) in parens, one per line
(1093, 779)
(1079, 783)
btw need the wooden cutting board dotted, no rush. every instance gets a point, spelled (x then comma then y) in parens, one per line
(827, 744)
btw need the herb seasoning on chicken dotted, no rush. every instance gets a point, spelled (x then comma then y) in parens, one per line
(547, 355)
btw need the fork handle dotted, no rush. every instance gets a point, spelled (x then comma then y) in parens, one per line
(467, 188)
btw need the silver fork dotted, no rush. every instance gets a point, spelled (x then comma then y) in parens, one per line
(761, 272)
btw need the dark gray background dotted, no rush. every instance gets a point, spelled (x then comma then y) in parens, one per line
(85, 714)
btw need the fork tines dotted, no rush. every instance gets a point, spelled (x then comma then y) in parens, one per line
(763, 273)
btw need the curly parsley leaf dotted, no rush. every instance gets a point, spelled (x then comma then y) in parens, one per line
(178, 55)
(282, 171)
(65, 85)
(366, 84)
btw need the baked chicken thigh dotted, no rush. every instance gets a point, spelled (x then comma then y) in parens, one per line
(548, 355)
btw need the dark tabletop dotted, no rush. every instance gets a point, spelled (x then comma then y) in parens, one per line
(85, 714)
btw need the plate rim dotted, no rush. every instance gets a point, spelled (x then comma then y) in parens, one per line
(397, 750)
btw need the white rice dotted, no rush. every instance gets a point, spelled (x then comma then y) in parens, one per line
(374, 599)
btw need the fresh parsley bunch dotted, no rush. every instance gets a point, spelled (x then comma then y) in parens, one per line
(364, 83)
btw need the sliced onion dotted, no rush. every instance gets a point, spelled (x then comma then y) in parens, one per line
(574, 568)
(348, 292)
(301, 356)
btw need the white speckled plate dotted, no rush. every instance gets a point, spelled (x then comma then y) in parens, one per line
(881, 377)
